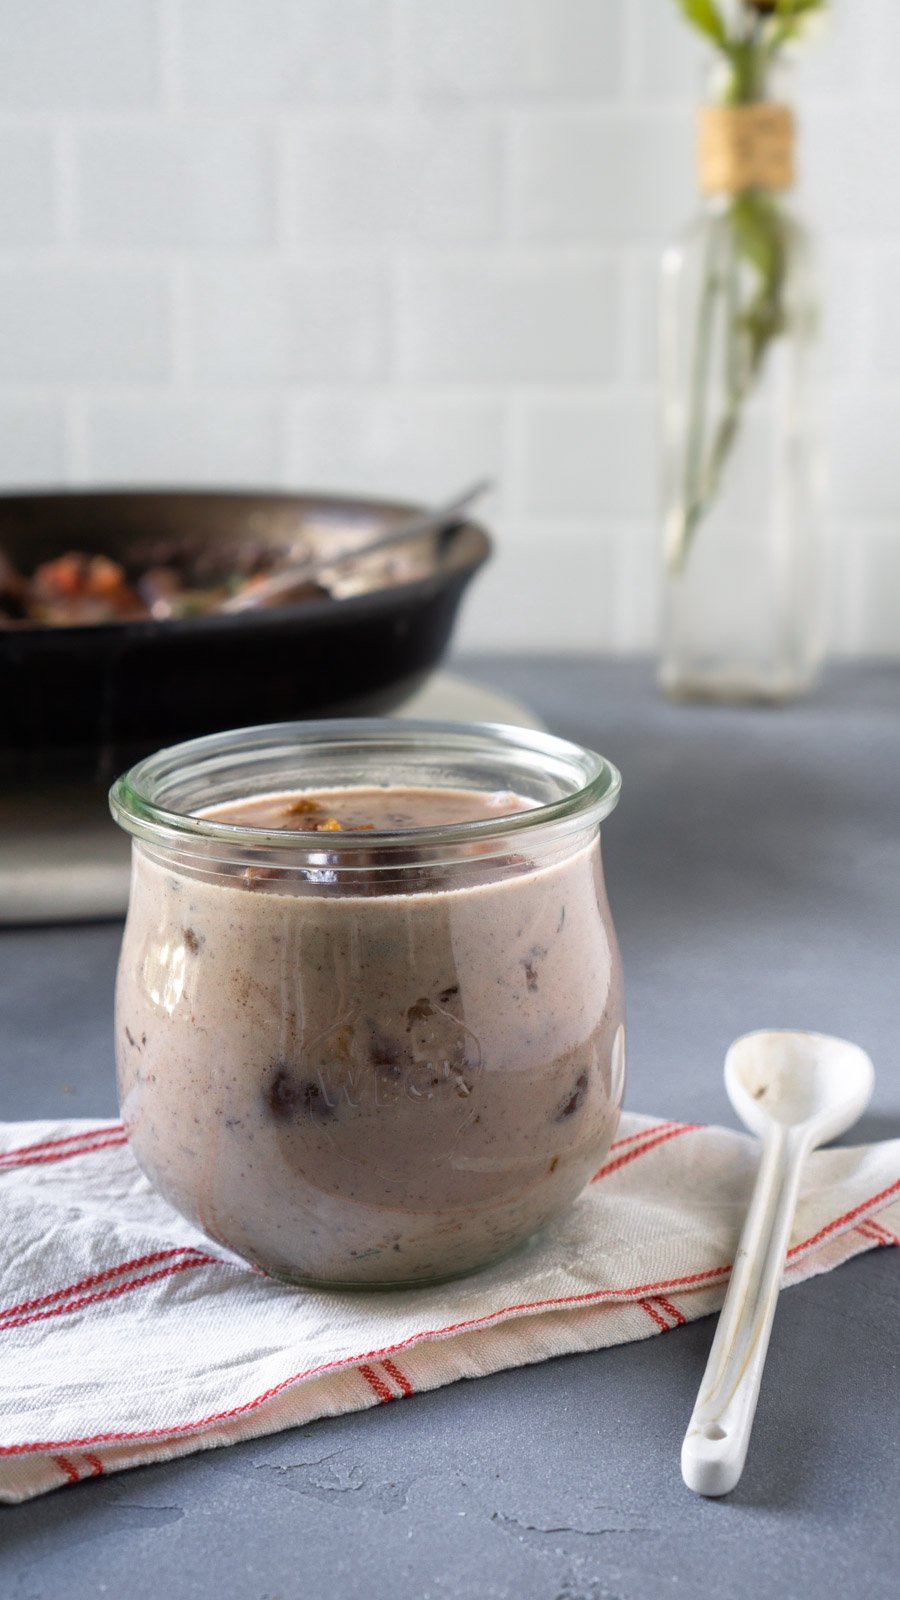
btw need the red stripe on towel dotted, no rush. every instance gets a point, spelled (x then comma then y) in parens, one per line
(69, 1138)
(107, 1294)
(8, 1164)
(652, 1312)
(872, 1231)
(400, 1378)
(376, 1383)
(632, 1155)
(97, 1278)
(839, 1222)
(644, 1133)
(671, 1311)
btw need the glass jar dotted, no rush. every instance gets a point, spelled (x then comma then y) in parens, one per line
(369, 1058)
(742, 481)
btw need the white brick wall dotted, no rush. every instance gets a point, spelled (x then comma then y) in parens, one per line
(266, 323)
(31, 441)
(27, 187)
(564, 473)
(613, 176)
(395, 244)
(56, 54)
(80, 324)
(185, 186)
(393, 178)
(206, 439)
(467, 49)
(505, 319)
(269, 53)
(396, 441)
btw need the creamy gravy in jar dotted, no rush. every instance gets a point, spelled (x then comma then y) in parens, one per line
(351, 1075)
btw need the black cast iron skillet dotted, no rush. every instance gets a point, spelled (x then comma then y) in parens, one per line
(104, 695)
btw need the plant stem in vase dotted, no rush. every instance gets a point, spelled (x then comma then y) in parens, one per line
(739, 326)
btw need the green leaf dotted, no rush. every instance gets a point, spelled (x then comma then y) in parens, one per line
(796, 8)
(789, 21)
(707, 18)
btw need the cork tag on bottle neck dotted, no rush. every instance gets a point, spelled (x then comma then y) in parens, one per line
(746, 147)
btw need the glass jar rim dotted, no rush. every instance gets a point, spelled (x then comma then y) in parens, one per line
(136, 810)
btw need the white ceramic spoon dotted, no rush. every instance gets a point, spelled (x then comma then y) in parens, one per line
(797, 1091)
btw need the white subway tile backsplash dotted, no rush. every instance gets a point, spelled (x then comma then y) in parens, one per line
(884, 306)
(27, 187)
(284, 52)
(77, 53)
(639, 273)
(841, 591)
(880, 20)
(848, 168)
(393, 246)
(496, 48)
(832, 59)
(202, 440)
(187, 185)
(877, 551)
(638, 589)
(507, 319)
(673, 61)
(394, 178)
(517, 601)
(31, 443)
(864, 455)
(75, 324)
(274, 324)
(588, 457)
(845, 293)
(400, 443)
(583, 177)
(865, 590)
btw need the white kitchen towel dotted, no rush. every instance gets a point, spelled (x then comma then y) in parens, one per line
(128, 1337)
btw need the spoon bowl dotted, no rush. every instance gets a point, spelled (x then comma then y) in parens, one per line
(798, 1079)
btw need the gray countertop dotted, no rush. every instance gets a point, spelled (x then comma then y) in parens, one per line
(754, 874)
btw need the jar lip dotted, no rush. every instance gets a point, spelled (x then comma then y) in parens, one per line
(134, 808)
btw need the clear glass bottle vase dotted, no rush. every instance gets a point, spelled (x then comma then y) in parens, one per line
(741, 459)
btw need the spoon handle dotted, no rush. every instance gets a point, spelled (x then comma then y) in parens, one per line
(715, 1445)
(441, 519)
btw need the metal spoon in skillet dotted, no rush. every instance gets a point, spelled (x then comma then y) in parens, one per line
(281, 587)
